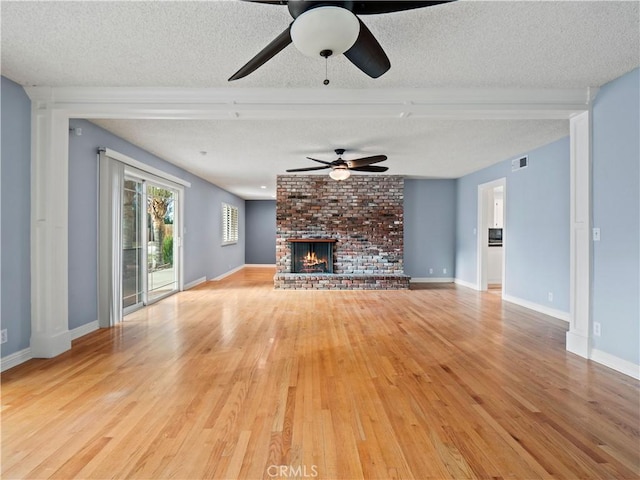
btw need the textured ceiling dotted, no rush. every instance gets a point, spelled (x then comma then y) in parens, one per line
(464, 44)
(420, 148)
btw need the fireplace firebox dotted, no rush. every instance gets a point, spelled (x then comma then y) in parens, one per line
(311, 255)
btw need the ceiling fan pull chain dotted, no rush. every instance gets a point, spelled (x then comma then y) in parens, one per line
(326, 75)
(326, 54)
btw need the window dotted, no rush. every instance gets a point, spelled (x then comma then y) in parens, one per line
(229, 224)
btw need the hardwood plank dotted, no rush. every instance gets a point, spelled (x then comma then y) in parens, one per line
(233, 379)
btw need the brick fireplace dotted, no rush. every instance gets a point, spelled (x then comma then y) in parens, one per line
(362, 217)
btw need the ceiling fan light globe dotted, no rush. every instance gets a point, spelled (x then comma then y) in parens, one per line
(325, 28)
(340, 173)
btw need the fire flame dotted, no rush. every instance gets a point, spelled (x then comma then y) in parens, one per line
(311, 258)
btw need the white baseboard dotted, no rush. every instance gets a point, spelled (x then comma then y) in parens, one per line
(578, 343)
(552, 312)
(195, 283)
(84, 330)
(230, 272)
(260, 265)
(431, 280)
(616, 363)
(464, 283)
(15, 359)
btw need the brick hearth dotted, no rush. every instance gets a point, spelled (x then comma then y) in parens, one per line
(332, 281)
(364, 214)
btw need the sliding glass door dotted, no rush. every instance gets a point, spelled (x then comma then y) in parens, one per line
(132, 245)
(162, 278)
(149, 259)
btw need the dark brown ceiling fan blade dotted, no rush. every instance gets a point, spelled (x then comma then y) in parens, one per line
(367, 54)
(307, 169)
(367, 7)
(268, 2)
(370, 168)
(377, 7)
(320, 161)
(362, 162)
(266, 54)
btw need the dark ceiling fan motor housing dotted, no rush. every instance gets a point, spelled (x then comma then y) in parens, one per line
(366, 53)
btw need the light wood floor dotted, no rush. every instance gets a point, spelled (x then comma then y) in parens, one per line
(236, 380)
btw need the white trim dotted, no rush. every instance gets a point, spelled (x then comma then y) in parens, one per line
(195, 283)
(616, 363)
(552, 312)
(179, 238)
(431, 280)
(579, 334)
(260, 265)
(50, 345)
(578, 343)
(230, 272)
(466, 284)
(132, 162)
(266, 103)
(49, 230)
(83, 330)
(15, 359)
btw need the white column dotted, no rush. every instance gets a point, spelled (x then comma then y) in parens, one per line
(49, 229)
(578, 336)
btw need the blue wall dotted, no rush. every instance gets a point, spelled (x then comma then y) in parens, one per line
(260, 240)
(616, 211)
(429, 228)
(536, 225)
(16, 217)
(204, 255)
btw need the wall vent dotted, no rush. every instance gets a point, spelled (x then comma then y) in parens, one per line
(519, 163)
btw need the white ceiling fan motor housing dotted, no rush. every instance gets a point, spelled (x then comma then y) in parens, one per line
(325, 28)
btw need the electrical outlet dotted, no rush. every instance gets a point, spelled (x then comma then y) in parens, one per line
(551, 296)
(3, 336)
(444, 270)
(596, 329)
(431, 270)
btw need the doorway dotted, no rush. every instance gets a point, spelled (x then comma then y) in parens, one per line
(491, 236)
(149, 262)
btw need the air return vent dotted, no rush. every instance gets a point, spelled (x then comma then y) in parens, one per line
(519, 163)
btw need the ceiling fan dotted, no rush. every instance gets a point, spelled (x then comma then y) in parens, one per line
(341, 169)
(328, 28)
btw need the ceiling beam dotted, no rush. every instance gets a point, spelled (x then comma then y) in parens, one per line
(259, 103)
